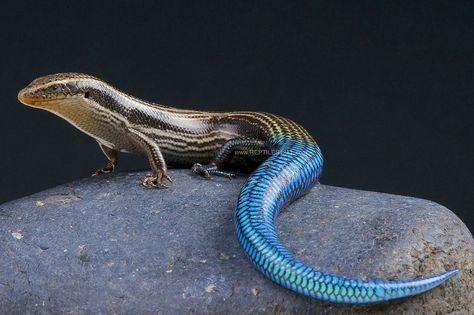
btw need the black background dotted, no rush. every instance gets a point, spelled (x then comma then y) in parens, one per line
(385, 87)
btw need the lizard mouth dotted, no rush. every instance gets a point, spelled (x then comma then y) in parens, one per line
(36, 101)
(26, 100)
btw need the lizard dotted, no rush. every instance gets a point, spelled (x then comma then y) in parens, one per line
(290, 160)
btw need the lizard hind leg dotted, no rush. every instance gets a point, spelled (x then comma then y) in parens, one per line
(224, 154)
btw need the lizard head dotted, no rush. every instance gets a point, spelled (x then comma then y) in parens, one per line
(55, 90)
(73, 97)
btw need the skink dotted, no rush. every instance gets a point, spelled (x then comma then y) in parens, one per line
(291, 163)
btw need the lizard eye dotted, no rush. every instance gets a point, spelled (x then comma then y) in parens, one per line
(53, 88)
(86, 94)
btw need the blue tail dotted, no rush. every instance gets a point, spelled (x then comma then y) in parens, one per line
(282, 178)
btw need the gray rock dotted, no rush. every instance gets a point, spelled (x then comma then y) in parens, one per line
(108, 245)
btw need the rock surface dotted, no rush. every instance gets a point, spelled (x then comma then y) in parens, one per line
(108, 245)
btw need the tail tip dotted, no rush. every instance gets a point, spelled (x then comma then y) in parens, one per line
(450, 273)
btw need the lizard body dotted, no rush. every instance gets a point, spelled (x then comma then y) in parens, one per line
(291, 163)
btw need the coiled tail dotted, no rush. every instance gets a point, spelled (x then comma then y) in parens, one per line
(282, 178)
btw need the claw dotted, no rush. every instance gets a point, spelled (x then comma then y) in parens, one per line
(106, 170)
(211, 169)
(201, 170)
(168, 178)
(154, 181)
(101, 171)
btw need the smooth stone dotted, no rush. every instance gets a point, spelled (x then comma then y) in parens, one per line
(107, 245)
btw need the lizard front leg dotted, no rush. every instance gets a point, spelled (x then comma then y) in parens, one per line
(155, 158)
(112, 158)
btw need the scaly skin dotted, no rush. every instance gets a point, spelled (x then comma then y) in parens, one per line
(291, 164)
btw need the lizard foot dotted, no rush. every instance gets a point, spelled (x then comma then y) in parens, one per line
(156, 180)
(106, 170)
(208, 170)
